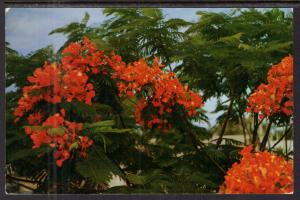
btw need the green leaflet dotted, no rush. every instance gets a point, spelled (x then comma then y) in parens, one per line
(98, 167)
(37, 128)
(104, 127)
(74, 146)
(111, 130)
(136, 179)
(23, 153)
(235, 38)
(51, 131)
(107, 123)
(149, 178)
(56, 131)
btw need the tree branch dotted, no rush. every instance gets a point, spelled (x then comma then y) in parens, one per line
(196, 142)
(281, 138)
(265, 139)
(225, 123)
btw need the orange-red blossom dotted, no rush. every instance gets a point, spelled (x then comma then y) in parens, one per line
(55, 83)
(259, 173)
(159, 89)
(277, 95)
(68, 80)
(59, 134)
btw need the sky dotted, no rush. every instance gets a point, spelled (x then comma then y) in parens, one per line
(26, 29)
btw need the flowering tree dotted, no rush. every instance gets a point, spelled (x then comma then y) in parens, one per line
(159, 96)
(229, 53)
(82, 116)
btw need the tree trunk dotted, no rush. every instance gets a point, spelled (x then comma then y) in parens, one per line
(265, 139)
(197, 143)
(286, 146)
(122, 121)
(219, 141)
(244, 128)
(254, 135)
(281, 138)
(255, 130)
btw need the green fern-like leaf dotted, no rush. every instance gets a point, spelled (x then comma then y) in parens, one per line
(98, 167)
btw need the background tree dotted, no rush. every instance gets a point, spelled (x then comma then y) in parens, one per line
(230, 53)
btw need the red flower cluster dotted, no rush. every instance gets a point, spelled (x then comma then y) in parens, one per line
(35, 118)
(277, 95)
(134, 76)
(161, 91)
(83, 57)
(259, 173)
(55, 83)
(60, 134)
